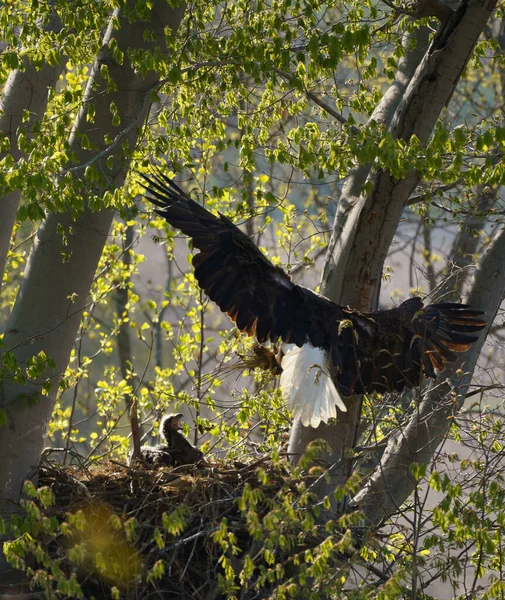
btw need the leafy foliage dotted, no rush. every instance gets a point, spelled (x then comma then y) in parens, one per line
(256, 101)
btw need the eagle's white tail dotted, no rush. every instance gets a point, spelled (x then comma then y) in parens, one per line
(307, 385)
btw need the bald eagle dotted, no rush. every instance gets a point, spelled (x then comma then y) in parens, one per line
(330, 351)
(176, 451)
(180, 449)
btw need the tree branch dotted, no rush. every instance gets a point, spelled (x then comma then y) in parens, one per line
(365, 224)
(391, 484)
(25, 89)
(314, 98)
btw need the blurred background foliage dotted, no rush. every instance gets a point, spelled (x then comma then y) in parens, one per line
(245, 117)
(263, 109)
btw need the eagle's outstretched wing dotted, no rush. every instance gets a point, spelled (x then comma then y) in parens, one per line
(384, 351)
(409, 341)
(380, 351)
(259, 297)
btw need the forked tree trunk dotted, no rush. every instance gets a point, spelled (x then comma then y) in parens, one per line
(365, 224)
(54, 290)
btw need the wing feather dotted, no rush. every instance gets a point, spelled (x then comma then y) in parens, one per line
(408, 342)
(258, 296)
(380, 351)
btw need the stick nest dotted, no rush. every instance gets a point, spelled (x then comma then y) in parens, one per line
(225, 531)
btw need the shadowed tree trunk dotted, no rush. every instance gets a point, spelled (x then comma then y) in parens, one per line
(61, 269)
(25, 90)
(365, 224)
(391, 483)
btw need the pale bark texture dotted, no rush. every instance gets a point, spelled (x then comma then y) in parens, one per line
(54, 291)
(343, 435)
(365, 224)
(391, 484)
(24, 90)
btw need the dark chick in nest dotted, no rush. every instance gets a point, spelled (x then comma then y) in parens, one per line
(176, 451)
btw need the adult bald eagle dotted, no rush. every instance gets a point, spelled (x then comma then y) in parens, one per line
(326, 344)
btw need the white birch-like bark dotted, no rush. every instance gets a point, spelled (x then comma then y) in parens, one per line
(365, 224)
(54, 291)
(25, 89)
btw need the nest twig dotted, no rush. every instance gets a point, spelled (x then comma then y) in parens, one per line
(167, 533)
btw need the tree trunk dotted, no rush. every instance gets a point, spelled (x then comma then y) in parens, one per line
(391, 484)
(365, 224)
(54, 290)
(342, 435)
(25, 89)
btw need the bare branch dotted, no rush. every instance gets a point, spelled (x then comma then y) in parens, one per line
(317, 100)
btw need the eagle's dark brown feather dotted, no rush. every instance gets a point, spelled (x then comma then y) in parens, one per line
(379, 351)
(176, 451)
(408, 341)
(182, 452)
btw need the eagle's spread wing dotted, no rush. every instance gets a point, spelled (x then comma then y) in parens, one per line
(403, 343)
(380, 351)
(259, 297)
